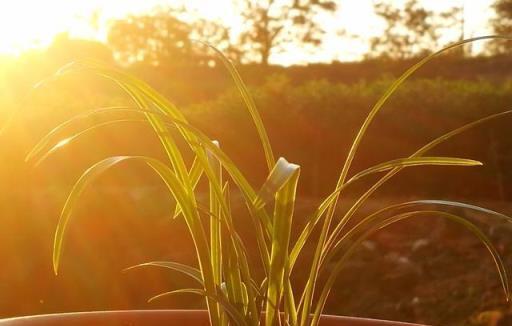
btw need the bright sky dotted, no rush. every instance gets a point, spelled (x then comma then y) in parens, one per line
(26, 24)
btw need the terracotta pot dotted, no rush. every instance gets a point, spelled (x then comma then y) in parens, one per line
(160, 318)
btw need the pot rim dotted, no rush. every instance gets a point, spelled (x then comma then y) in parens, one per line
(127, 312)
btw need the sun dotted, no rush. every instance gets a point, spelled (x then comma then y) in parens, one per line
(27, 24)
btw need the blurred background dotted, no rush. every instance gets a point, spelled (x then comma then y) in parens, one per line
(314, 67)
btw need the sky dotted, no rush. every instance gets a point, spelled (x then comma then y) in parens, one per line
(26, 24)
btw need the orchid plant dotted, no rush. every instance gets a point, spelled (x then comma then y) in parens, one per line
(234, 296)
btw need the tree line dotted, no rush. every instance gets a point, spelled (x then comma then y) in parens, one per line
(167, 35)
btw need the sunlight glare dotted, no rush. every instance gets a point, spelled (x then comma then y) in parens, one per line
(29, 24)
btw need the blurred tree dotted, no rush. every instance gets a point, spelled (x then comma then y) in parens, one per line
(165, 37)
(151, 38)
(410, 30)
(65, 49)
(269, 25)
(501, 24)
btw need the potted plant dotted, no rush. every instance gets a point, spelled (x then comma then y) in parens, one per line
(224, 276)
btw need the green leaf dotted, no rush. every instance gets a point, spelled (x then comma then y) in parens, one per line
(357, 237)
(227, 163)
(279, 259)
(396, 208)
(89, 176)
(66, 141)
(185, 269)
(251, 106)
(391, 90)
(360, 201)
(46, 139)
(415, 161)
(394, 164)
(196, 171)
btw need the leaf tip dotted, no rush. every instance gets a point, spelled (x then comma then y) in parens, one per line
(56, 266)
(283, 163)
(40, 84)
(150, 300)
(126, 269)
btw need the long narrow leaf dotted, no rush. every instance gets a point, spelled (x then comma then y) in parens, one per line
(279, 260)
(46, 139)
(347, 252)
(87, 177)
(396, 208)
(391, 90)
(393, 172)
(251, 106)
(185, 269)
(415, 161)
